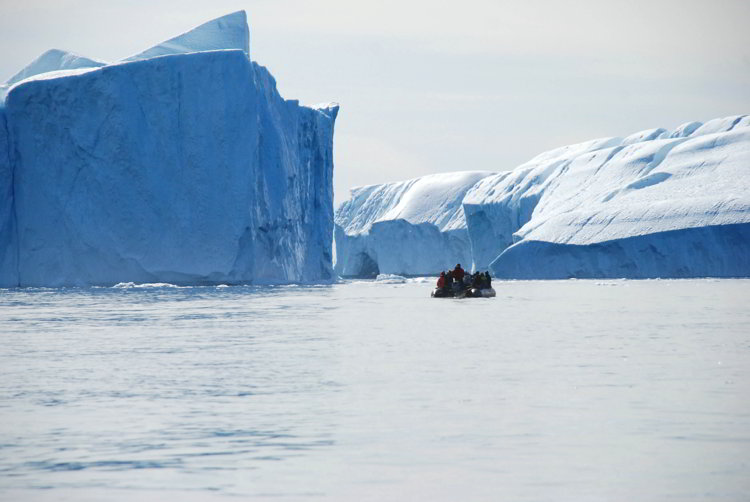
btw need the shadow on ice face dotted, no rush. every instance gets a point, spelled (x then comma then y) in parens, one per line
(367, 267)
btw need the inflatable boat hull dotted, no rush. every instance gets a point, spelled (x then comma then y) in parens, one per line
(464, 293)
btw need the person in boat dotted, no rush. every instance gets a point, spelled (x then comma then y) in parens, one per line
(449, 281)
(441, 281)
(458, 273)
(477, 280)
(487, 280)
(467, 281)
(457, 284)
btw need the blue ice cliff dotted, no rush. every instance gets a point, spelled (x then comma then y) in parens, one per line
(653, 204)
(181, 164)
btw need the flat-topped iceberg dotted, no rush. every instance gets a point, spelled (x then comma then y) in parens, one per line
(187, 168)
(410, 228)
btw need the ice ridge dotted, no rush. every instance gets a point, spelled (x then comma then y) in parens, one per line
(226, 32)
(50, 61)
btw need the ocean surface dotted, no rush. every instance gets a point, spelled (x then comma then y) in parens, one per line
(553, 391)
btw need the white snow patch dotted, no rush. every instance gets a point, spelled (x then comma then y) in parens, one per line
(390, 279)
(147, 285)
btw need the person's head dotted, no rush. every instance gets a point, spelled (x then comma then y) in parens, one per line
(458, 265)
(442, 274)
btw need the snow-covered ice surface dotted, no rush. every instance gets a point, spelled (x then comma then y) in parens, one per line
(51, 61)
(654, 204)
(409, 227)
(187, 168)
(610, 390)
(226, 32)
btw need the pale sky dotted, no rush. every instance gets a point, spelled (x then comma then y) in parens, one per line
(431, 86)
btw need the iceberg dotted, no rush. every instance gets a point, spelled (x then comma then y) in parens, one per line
(413, 227)
(656, 203)
(653, 204)
(181, 165)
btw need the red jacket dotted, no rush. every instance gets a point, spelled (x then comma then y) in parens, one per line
(458, 274)
(441, 281)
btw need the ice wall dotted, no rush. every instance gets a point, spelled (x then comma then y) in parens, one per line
(653, 204)
(186, 168)
(8, 242)
(711, 251)
(409, 227)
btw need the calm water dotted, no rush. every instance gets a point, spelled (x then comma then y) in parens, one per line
(564, 391)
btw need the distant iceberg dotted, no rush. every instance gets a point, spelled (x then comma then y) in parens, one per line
(408, 228)
(652, 204)
(181, 165)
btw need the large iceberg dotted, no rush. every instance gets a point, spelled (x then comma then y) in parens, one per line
(653, 204)
(410, 227)
(182, 165)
